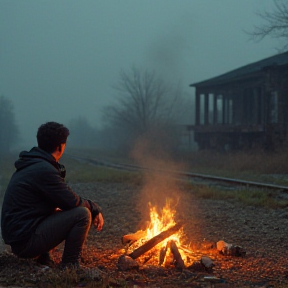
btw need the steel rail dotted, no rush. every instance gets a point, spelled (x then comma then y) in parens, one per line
(130, 167)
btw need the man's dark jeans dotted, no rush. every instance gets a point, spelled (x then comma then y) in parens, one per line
(72, 226)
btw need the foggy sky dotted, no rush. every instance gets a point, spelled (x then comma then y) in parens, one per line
(59, 59)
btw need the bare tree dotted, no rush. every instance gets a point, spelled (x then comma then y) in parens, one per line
(145, 104)
(276, 23)
(143, 101)
(9, 132)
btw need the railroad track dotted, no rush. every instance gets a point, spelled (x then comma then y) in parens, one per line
(186, 175)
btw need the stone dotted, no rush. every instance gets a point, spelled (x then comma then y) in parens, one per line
(126, 263)
(228, 249)
(207, 262)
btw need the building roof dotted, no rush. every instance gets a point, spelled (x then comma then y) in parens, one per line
(276, 60)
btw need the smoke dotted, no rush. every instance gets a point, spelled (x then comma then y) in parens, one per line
(166, 54)
(160, 177)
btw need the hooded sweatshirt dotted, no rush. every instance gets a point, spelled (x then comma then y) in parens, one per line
(35, 190)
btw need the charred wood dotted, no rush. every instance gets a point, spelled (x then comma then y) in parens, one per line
(178, 261)
(162, 254)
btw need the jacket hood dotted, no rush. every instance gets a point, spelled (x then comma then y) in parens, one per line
(35, 155)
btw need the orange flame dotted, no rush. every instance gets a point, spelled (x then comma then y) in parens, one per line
(159, 223)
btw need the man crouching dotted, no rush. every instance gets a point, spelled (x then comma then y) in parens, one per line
(40, 210)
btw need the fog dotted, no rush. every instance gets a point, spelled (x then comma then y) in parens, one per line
(59, 59)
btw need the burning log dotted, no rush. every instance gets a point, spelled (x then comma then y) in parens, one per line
(162, 254)
(154, 241)
(131, 238)
(178, 261)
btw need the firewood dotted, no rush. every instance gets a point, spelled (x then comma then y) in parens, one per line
(162, 254)
(154, 241)
(131, 238)
(178, 261)
(186, 250)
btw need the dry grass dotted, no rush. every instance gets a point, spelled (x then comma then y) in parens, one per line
(254, 197)
(254, 166)
(81, 172)
(72, 278)
(16, 272)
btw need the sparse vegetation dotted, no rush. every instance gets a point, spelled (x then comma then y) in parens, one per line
(81, 172)
(252, 166)
(253, 197)
(145, 106)
(240, 165)
(49, 278)
(275, 23)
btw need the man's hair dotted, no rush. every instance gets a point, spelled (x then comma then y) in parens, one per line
(51, 135)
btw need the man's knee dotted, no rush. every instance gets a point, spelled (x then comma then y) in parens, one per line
(83, 213)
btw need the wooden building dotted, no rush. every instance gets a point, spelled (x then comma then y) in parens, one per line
(246, 107)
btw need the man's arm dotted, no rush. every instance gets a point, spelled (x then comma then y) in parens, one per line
(54, 188)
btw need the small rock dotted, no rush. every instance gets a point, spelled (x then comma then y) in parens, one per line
(228, 249)
(126, 263)
(207, 263)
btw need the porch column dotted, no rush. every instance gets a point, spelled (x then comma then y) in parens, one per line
(224, 103)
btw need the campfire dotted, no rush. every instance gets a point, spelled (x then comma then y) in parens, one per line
(161, 241)
(161, 244)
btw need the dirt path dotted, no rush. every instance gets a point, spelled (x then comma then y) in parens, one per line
(261, 232)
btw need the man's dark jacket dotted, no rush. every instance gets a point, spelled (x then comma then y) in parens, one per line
(36, 189)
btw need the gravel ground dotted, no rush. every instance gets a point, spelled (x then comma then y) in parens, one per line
(261, 232)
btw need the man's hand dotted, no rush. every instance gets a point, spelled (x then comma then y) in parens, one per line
(99, 222)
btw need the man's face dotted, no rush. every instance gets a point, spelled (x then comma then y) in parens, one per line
(59, 152)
